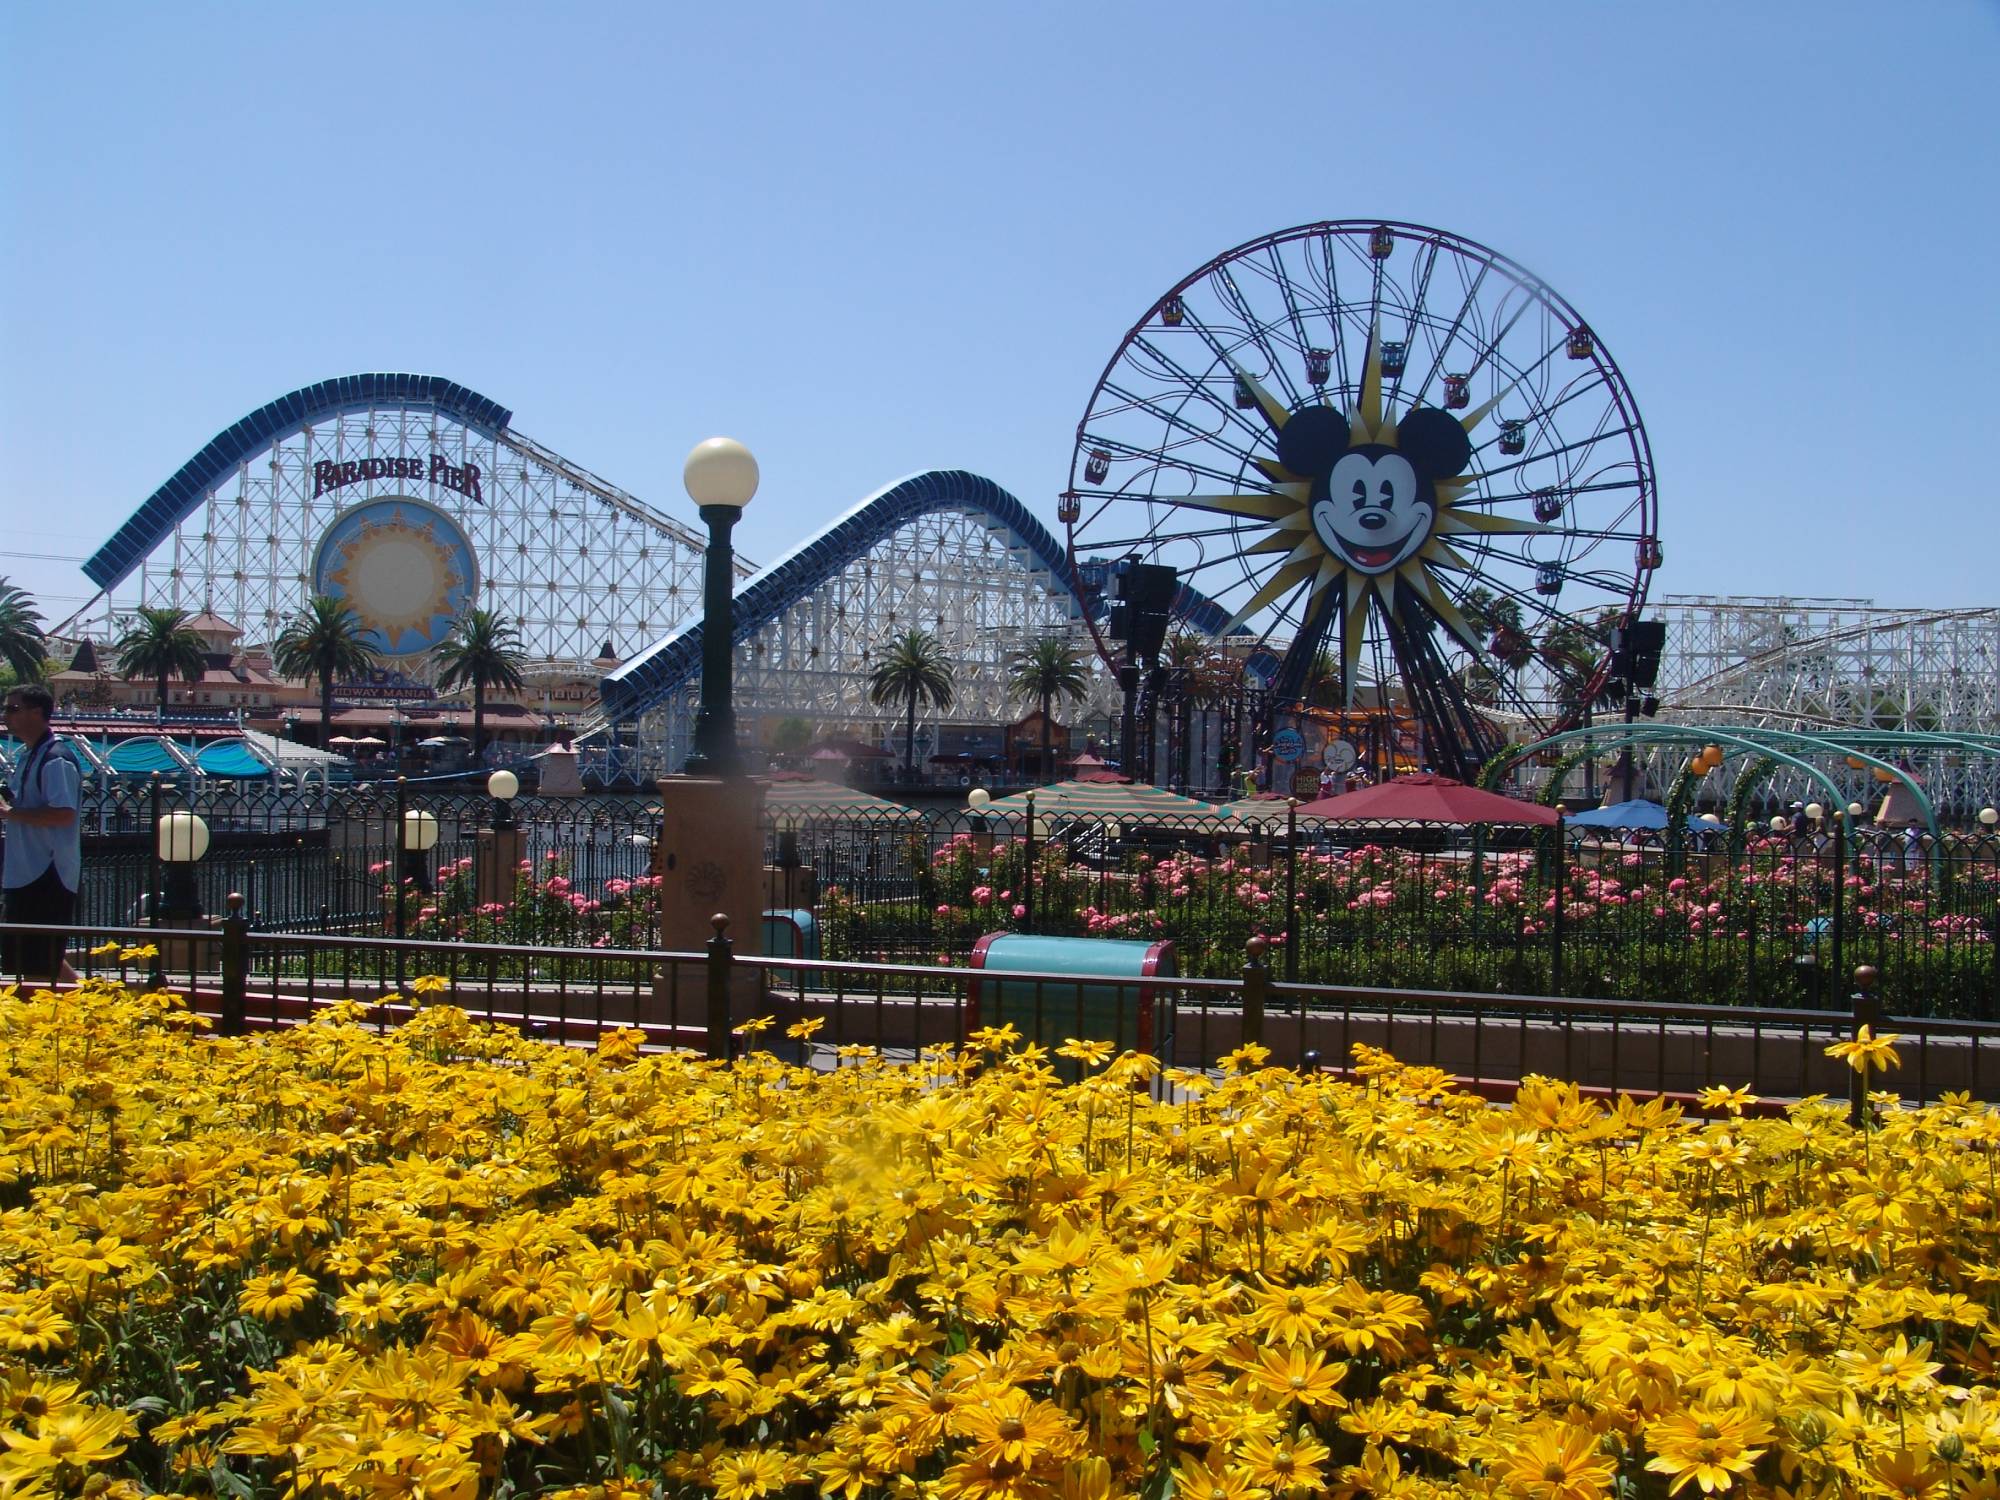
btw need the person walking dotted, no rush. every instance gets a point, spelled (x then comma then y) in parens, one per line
(43, 864)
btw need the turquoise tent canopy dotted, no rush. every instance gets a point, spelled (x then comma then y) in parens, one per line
(142, 758)
(231, 758)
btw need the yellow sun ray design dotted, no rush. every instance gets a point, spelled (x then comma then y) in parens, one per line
(1328, 568)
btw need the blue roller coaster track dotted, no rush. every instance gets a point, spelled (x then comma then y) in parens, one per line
(657, 674)
(182, 495)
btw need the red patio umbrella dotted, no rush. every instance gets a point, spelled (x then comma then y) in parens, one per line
(1424, 798)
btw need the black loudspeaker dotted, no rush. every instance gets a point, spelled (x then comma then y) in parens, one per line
(1635, 651)
(1149, 634)
(1149, 587)
(1148, 591)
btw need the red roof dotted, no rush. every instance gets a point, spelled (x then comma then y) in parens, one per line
(1424, 798)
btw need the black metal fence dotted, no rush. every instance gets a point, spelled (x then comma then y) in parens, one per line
(720, 1002)
(1750, 919)
(333, 860)
(1765, 920)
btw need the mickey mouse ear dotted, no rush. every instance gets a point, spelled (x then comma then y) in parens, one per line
(1434, 441)
(1312, 440)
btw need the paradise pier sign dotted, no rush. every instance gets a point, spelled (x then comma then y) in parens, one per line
(334, 474)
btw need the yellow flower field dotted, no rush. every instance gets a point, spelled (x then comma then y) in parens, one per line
(452, 1263)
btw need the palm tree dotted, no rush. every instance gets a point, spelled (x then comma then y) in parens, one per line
(1325, 680)
(1209, 681)
(484, 651)
(791, 734)
(1048, 670)
(323, 640)
(1498, 622)
(160, 644)
(1571, 651)
(914, 666)
(21, 639)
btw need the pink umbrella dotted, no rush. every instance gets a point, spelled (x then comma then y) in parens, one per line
(1424, 798)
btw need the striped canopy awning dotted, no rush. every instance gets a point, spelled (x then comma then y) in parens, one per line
(829, 799)
(1111, 802)
(1264, 808)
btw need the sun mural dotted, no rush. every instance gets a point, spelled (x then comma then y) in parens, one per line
(1362, 505)
(404, 567)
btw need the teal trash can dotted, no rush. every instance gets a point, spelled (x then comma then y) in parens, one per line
(792, 933)
(1134, 1017)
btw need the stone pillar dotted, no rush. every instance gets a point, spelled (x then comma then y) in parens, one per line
(496, 861)
(710, 858)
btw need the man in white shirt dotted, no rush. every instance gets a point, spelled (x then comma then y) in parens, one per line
(44, 857)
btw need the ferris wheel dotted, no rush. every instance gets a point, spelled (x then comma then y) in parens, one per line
(1392, 456)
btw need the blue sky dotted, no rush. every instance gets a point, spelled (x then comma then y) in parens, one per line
(871, 239)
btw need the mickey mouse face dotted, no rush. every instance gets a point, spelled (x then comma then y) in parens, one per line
(1373, 506)
(1376, 512)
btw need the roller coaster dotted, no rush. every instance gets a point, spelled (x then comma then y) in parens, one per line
(945, 550)
(428, 487)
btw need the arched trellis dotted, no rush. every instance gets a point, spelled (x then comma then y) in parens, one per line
(1776, 744)
(1852, 742)
(1848, 739)
(1986, 745)
(1764, 744)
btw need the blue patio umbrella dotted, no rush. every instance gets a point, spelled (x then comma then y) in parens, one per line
(1638, 813)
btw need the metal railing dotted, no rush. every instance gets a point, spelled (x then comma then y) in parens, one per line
(1763, 920)
(701, 1001)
